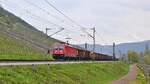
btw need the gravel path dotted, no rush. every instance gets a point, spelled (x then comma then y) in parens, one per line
(127, 78)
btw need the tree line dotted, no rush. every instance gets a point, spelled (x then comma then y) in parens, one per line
(142, 57)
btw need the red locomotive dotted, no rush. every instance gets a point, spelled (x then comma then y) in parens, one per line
(70, 52)
(63, 51)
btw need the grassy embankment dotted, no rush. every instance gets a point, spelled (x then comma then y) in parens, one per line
(96, 73)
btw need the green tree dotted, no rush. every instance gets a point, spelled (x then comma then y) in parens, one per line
(147, 50)
(132, 56)
(147, 59)
(147, 54)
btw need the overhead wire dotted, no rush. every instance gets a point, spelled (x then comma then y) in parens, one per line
(47, 12)
(32, 4)
(52, 15)
(61, 12)
(70, 19)
(38, 18)
(83, 29)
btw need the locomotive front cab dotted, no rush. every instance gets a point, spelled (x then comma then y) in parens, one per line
(58, 52)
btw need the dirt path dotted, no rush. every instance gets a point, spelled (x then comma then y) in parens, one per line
(127, 78)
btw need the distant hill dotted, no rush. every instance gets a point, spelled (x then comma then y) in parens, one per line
(123, 47)
(18, 38)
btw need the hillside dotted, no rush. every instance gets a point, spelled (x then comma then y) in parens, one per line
(123, 47)
(19, 39)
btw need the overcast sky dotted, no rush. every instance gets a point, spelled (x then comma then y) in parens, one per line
(115, 20)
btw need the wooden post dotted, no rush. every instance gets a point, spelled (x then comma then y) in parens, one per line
(34, 68)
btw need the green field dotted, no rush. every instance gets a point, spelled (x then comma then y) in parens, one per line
(96, 73)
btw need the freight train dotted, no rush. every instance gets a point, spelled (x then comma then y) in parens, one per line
(70, 52)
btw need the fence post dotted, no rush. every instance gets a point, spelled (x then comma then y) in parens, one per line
(12, 69)
(149, 76)
(34, 68)
(48, 66)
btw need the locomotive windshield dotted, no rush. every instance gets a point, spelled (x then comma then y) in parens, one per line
(59, 47)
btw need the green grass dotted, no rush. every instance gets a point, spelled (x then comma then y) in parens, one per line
(96, 73)
(25, 57)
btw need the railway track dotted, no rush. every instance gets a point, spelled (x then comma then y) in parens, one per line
(15, 63)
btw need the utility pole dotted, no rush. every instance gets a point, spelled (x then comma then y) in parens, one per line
(47, 29)
(114, 53)
(92, 36)
(101, 50)
(86, 46)
(121, 57)
(94, 31)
